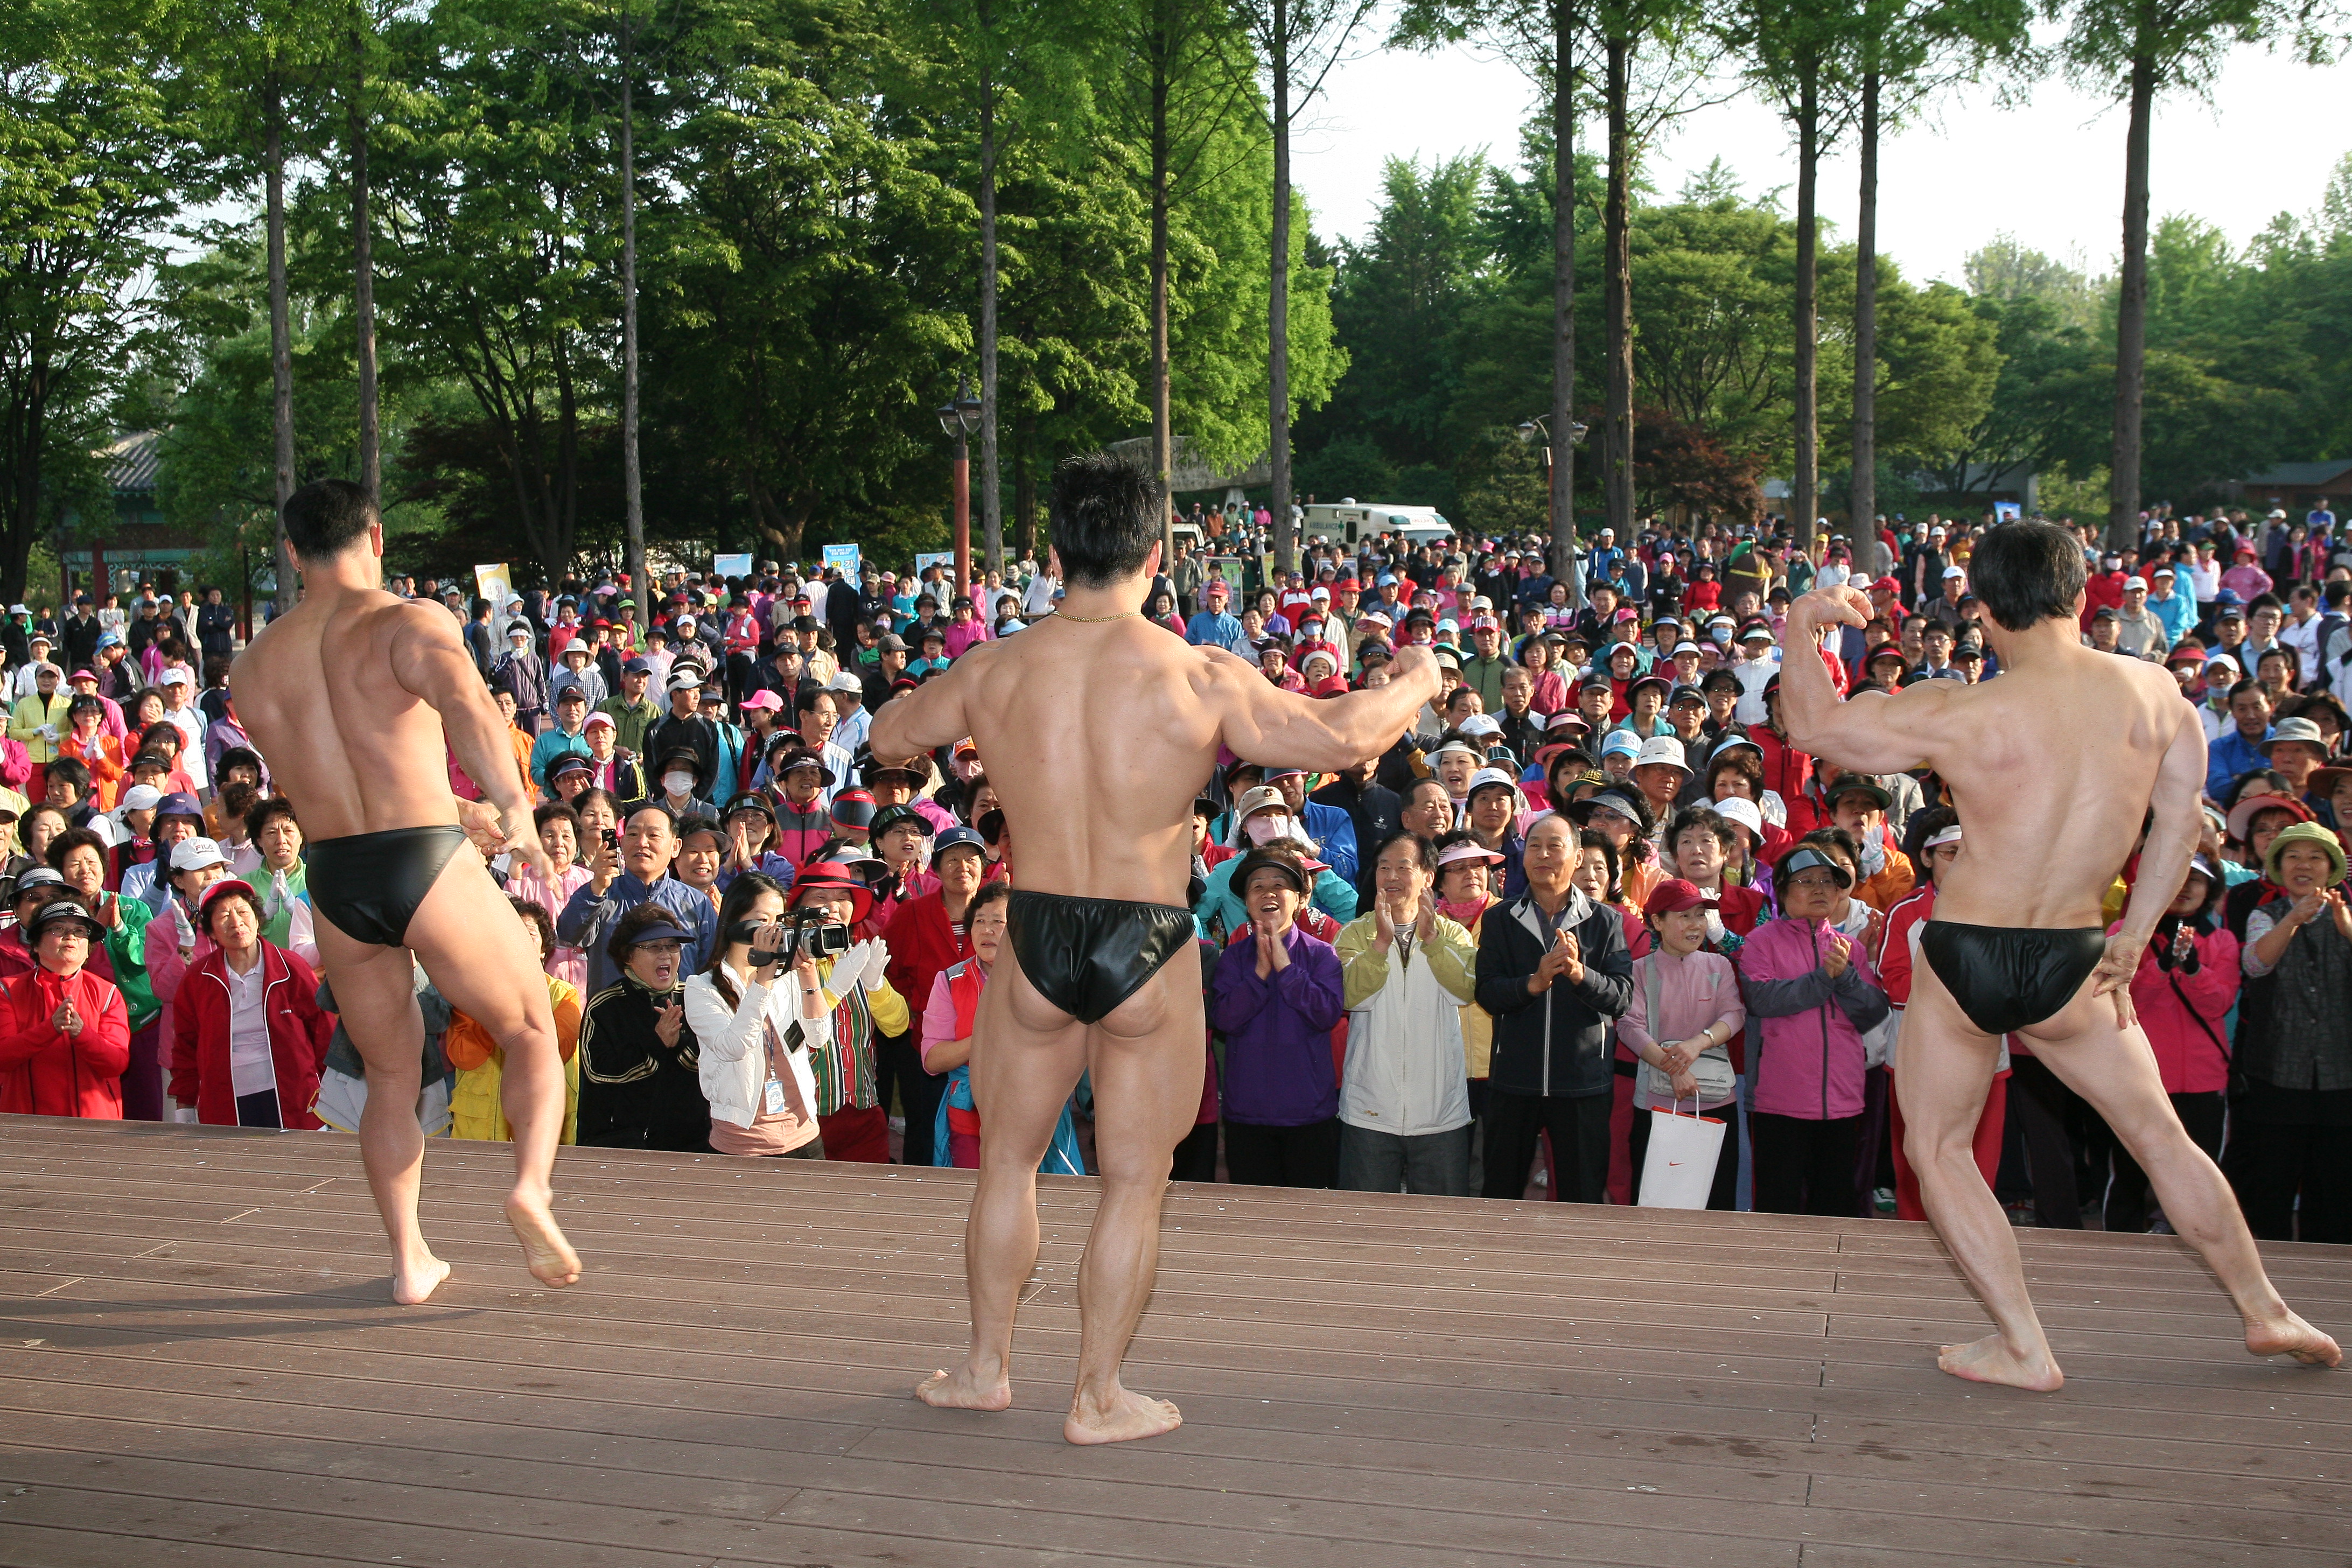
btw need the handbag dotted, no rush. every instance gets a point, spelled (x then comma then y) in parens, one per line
(1678, 1172)
(1713, 1068)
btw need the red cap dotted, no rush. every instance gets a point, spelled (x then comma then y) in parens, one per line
(1889, 584)
(1670, 896)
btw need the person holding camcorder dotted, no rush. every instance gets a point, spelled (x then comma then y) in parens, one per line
(831, 910)
(759, 1009)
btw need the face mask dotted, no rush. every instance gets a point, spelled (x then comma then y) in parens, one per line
(1720, 634)
(679, 784)
(1266, 826)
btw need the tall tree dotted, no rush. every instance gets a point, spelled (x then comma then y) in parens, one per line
(1905, 51)
(1638, 94)
(2136, 49)
(1540, 36)
(1177, 103)
(357, 113)
(1793, 51)
(632, 493)
(1298, 42)
(95, 158)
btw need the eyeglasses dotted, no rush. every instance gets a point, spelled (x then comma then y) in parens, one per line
(1814, 879)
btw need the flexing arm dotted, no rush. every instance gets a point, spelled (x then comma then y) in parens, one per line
(2176, 825)
(429, 660)
(1871, 733)
(1264, 724)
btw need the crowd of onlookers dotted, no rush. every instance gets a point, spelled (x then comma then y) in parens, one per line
(1591, 889)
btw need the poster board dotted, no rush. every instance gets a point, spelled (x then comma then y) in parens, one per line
(842, 558)
(736, 565)
(495, 583)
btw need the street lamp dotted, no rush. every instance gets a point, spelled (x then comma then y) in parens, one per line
(1529, 429)
(960, 419)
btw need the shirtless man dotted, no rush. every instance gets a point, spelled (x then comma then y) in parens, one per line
(349, 695)
(2054, 767)
(1097, 730)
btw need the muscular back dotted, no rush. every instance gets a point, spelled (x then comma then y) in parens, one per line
(2053, 770)
(320, 691)
(1098, 738)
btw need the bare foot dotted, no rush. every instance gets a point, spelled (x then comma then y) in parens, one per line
(550, 1256)
(963, 1389)
(1989, 1360)
(413, 1287)
(2295, 1338)
(1125, 1417)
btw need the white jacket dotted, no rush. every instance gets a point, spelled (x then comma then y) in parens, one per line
(1405, 1071)
(732, 1041)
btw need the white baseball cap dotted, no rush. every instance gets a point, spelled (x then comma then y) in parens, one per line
(1739, 809)
(141, 797)
(194, 853)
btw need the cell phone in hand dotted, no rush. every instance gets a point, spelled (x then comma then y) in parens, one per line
(612, 838)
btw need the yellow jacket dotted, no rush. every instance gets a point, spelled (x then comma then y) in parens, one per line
(25, 721)
(475, 1111)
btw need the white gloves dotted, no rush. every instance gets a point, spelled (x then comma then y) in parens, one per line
(862, 965)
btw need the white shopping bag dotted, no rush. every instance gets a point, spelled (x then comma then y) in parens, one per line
(1679, 1169)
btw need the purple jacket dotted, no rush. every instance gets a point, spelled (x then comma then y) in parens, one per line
(1806, 1028)
(1278, 1066)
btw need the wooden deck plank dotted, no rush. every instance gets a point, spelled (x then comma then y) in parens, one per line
(198, 1365)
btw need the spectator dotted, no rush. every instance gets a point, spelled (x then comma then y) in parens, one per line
(65, 1034)
(640, 1079)
(248, 1038)
(1816, 992)
(1683, 1015)
(560, 831)
(2289, 1155)
(1404, 1103)
(867, 1012)
(1553, 971)
(759, 1010)
(2184, 990)
(622, 876)
(1275, 996)
(949, 1030)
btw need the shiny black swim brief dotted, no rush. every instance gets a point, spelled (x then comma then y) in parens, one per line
(1087, 955)
(368, 885)
(2007, 978)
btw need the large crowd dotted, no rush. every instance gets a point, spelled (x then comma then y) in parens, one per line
(1591, 888)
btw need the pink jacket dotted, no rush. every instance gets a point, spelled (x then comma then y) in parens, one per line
(2183, 1013)
(1805, 1029)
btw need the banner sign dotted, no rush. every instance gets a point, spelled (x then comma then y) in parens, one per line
(842, 558)
(738, 565)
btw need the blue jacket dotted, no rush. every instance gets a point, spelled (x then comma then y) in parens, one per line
(2230, 756)
(1211, 629)
(588, 921)
(1334, 831)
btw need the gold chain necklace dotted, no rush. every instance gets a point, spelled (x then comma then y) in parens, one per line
(1095, 620)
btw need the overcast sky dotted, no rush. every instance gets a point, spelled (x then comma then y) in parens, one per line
(2050, 172)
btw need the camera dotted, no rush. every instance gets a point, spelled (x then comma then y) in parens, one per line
(799, 932)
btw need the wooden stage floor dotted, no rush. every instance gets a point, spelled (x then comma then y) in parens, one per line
(202, 1367)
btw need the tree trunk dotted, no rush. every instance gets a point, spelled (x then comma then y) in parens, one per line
(563, 501)
(632, 499)
(1566, 565)
(1804, 499)
(1025, 486)
(364, 280)
(1277, 300)
(1618, 296)
(281, 348)
(992, 500)
(30, 430)
(1162, 44)
(1862, 505)
(2131, 318)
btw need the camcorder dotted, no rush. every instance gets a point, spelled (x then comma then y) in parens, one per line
(799, 932)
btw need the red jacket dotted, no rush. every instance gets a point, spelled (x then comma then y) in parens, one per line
(1786, 769)
(2183, 1013)
(46, 1072)
(298, 1032)
(923, 946)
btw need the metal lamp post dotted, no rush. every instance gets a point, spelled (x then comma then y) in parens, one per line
(1574, 574)
(960, 419)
